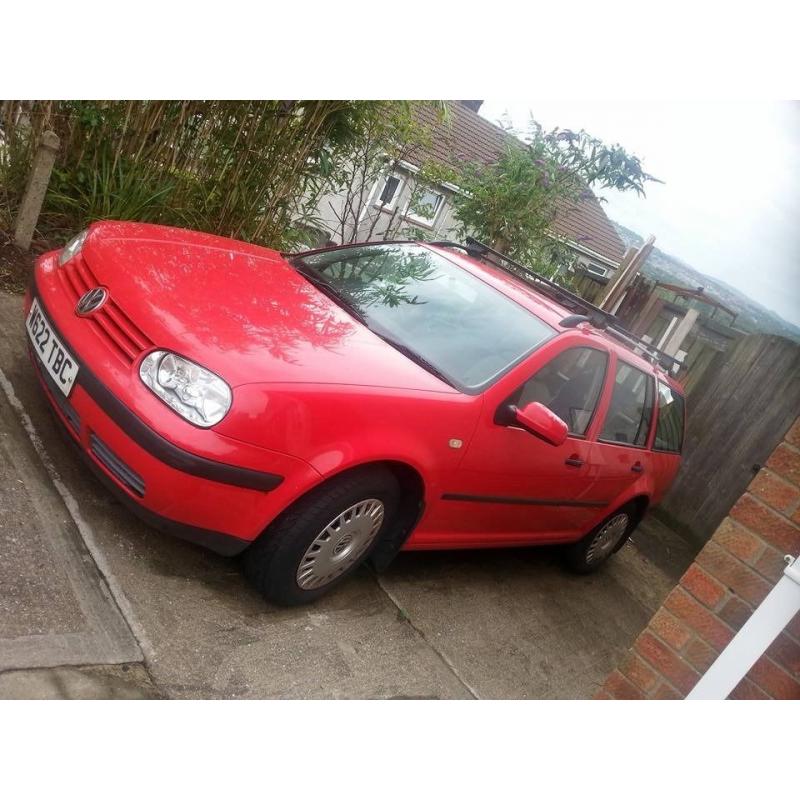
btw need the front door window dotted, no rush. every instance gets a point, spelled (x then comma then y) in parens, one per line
(569, 386)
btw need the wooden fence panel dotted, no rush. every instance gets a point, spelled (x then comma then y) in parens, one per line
(737, 414)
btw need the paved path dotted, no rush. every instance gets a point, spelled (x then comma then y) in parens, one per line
(55, 608)
(449, 625)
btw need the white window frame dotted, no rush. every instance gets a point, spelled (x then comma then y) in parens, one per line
(380, 185)
(591, 267)
(424, 221)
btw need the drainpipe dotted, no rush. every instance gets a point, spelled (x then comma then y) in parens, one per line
(757, 634)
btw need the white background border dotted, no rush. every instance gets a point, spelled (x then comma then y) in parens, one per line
(498, 50)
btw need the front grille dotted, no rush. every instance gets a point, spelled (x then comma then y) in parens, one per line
(118, 468)
(110, 322)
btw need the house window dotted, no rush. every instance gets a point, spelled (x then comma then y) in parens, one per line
(392, 186)
(425, 207)
(596, 269)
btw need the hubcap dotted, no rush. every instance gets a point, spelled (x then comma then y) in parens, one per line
(606, 538)
(340, 543)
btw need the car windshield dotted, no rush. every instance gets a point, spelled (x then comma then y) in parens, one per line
(455, 324)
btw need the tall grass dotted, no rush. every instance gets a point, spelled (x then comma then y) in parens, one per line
(113, 189)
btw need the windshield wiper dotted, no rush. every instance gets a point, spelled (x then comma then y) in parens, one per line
(414, 356)
(331, 291)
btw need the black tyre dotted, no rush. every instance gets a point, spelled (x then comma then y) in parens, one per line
(590, 553)
(320, 540)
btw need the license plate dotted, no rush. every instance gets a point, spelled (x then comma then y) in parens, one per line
(57, 360)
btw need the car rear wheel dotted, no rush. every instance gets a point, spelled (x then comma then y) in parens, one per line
(323, 537)
(591, 552)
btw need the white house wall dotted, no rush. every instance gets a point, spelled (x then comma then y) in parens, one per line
(444, 226)
(331, 207)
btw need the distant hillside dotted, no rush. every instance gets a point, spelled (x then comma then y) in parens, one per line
(752, 316)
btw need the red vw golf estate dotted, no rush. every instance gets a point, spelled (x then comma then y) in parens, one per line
(316, 410)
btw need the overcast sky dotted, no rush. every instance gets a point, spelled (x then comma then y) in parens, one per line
(730, 203)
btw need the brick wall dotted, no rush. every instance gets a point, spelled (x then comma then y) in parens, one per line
(731, 575)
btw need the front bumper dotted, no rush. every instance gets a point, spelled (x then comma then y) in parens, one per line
(216, 504)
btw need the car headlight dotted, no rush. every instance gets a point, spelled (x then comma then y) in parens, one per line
(72, 248)
(187, 388)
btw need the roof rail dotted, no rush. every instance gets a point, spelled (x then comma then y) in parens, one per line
(596, 316)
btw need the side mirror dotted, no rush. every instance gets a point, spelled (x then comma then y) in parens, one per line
(542, 422)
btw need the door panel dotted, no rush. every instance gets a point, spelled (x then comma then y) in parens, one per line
(510, 483)
(619, 468)
(511, 486)
(622, 457)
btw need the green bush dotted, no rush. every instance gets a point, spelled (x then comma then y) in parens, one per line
(248, 169)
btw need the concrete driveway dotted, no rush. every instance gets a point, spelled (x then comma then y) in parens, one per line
(93, 603)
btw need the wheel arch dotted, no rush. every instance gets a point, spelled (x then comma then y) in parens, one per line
(410, 510)
(641, 503)
(408, 476)
(411, 504)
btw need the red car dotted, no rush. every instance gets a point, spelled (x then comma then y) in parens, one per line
(315, 410)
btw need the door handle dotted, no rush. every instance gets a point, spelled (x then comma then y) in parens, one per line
(637, 467)
(573, 461)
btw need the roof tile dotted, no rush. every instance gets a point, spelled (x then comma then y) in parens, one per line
(468, 137)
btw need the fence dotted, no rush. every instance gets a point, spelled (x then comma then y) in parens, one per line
(737, 413)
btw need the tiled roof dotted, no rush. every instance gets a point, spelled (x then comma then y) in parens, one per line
(586, 224)
(468, 137)
(464, 137)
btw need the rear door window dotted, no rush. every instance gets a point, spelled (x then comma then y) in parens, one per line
(669, 428)
(631, 410)
(569, 386)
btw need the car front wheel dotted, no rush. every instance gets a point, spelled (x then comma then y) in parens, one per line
(323, 537)
(588, 554)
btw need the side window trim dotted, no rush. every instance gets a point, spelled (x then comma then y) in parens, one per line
(599, 400)
(501, 416)
(679, 451)
(653, 409)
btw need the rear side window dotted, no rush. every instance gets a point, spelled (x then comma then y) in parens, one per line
(631, 409)
(669, 429)
(569, 386)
